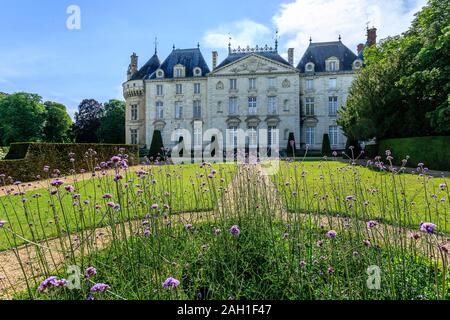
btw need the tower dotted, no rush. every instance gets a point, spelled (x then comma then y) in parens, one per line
(133, 67)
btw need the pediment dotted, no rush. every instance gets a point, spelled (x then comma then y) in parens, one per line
(253, 64)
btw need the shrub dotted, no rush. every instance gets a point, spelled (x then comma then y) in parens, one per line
(326, 146)
(56, 156)
(434, 152)
(291, 150)
(156, 146)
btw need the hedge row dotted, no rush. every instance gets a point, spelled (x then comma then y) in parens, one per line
(37, 155)
(433, 152)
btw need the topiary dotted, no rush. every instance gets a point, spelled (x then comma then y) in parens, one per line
(157, 146)
(326, 145)
(291, 145)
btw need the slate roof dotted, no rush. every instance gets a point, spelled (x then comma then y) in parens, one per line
(189, 58)
(319, 52)
(148, 69)
(272, 55)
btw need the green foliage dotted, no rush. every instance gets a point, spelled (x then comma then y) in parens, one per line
(156, 145)
(406, 77)
(22, 118)
(87, 121)
(112, 126)
(326, 145)
(434, 152)
(3, 152)
(30, 158)
(291, 150)
(57, 124)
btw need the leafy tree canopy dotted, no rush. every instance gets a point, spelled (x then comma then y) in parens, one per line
(112, 126)
(57, 124)
(87, 121)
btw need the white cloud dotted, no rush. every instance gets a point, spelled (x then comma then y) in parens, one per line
(243, 33)
(325, 20)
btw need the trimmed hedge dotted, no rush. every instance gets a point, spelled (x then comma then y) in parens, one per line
(56, 156)
(433, 152)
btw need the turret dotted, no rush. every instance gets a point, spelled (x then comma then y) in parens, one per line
(133, 67)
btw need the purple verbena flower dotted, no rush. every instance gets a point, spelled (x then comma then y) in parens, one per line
(427, 227)
(235, 231)
(171, 283)
(90, 272)
(331, 234)
(2, 223)
(372, 224)
(100, 287)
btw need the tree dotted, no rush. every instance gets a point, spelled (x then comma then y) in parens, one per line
(156, 148)
(326, 146)
(291, 145)
(57, 124)
(87, 121)
(22, 118)
(112, 124)
(406, 77)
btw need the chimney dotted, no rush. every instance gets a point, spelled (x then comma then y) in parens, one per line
(132, 68)
(372, 36)
(291, 56)
(360, 48)
(215, 57)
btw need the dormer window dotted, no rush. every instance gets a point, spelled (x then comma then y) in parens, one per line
(179, 71)
(332, 64)
(197, 72)
(357, 64)
(159, 73)
(309, 67)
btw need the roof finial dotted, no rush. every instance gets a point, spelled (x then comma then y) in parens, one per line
(276, 41)
(156, 45)
(229, 44)
(173, 48)
(340, 38)
(198, 45)
(310, 39)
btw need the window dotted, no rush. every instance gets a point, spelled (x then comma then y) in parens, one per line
(178, 110)
(233, 84)
(333, 133)
(196, 88)
(159, 90)
(332, 83)
(198, 137)
(252, 105)
(134, 112)
(310, 136)
(233, 137)
(252, 83)
(197, 72)
(197, 109)
(159, 110)
(310, 67)
(272, 136)
(160, 74)
(332, 66)
(233, 107)
(332, 106)
(134, 136)
(178, 72)
(309, 84)
(252, 137)
(309, 110)
(272, 107)
(272, 83)
(179, 89)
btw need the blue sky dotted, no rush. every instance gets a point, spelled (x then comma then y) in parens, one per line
(39, 54)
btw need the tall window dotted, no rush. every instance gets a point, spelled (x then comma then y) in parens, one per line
(252, 83)
(233, 107)
(198, 137)
(134, 136)
(178, 72)
(252, 105)
(159, 90)
(333, 133)
(197, 109)
(332, 83)
(159, 110)
(272, 135)
(332, 66)
(310, 136)
(252, 137)
(272, 107)
(197, 88)
(233, 84)
(272, 83)
(309, 106)
(233, 137)
(178, 110)
(332, 105)
(309, 84)
(134, 112)
(179, 89)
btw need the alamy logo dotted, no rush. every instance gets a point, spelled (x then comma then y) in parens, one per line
(74, 278)
(374, 279)
(74, 20)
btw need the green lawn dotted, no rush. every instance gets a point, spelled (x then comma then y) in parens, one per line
(404, 199)
(179, 187)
